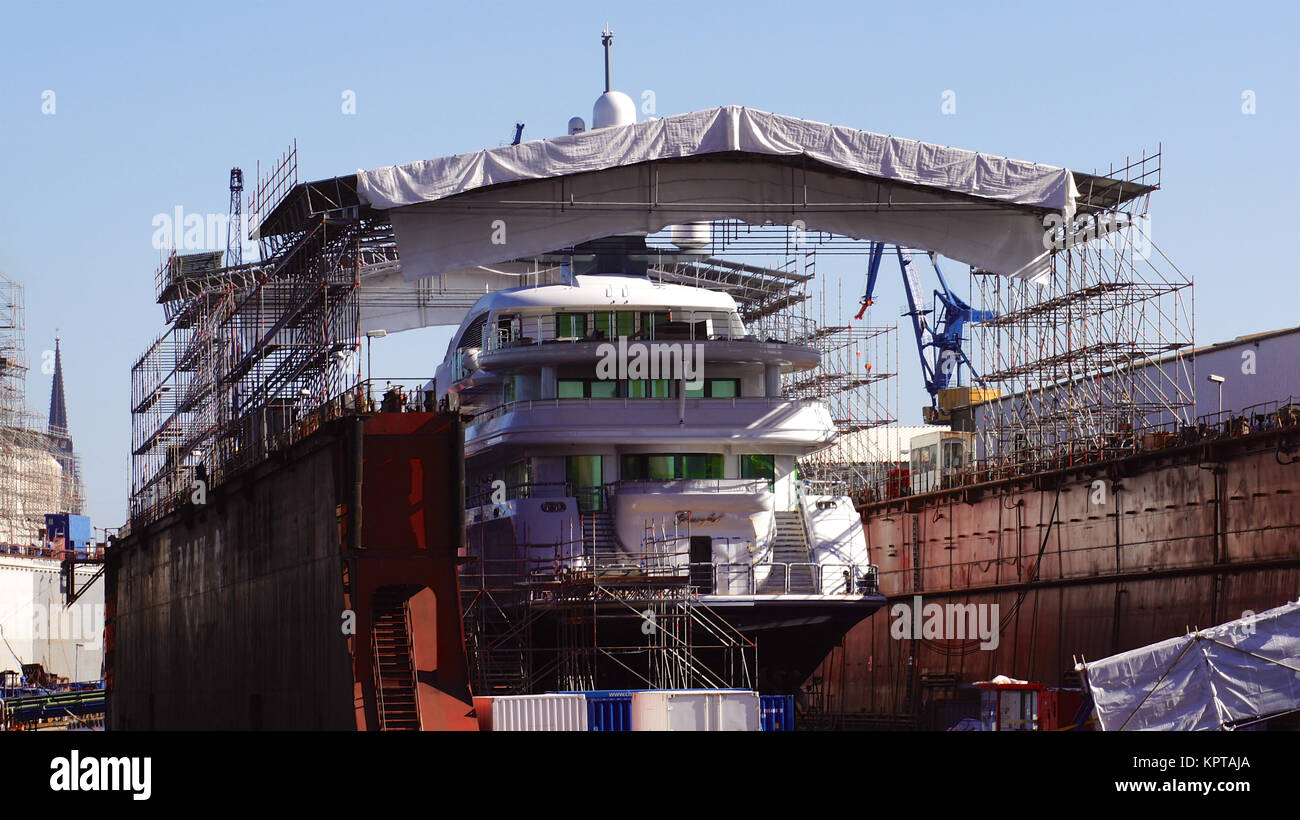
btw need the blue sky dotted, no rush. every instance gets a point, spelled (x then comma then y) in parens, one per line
(153, 105)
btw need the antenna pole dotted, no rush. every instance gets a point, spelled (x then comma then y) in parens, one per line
(606, 38)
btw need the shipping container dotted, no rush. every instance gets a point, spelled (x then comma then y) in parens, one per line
(609, 714)
(777, 712)
(695, 710)
(532, 713)
(1057, 709)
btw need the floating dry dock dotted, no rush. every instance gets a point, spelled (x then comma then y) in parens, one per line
(316, 590)
(253, 392)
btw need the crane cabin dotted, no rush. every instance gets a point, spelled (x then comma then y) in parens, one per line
(936, 456)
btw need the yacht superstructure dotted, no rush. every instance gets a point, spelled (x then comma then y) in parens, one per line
(616, 425)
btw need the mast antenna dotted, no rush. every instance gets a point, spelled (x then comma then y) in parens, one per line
(607, 39)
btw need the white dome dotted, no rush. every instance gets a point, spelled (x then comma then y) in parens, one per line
(576, 125)
(613, 108)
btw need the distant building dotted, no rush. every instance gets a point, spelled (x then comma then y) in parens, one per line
(59, 438)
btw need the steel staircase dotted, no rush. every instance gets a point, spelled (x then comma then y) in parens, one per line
(599, 537)
(394, 667)
(790, 547)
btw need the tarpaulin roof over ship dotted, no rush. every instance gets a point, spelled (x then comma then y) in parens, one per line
(1218, 678)
(730, 162)
(722, 163)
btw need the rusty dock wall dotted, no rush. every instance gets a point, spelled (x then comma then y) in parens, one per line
(1086, 561)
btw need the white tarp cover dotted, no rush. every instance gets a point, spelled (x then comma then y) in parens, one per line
(1211, 679)
(971, 207)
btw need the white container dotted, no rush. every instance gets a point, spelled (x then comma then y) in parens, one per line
(532, 713)
(696, 710)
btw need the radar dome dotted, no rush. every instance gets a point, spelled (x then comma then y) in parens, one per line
(613, 108)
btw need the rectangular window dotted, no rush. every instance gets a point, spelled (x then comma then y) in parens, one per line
(603, 389)
(701, 465)
(714, 389)
(661, 467)
(505, 330)
(570, 388)
(624, 323)
(669, 466)
(518, 478)
(586, 389)
(723, 388)
(583, 475)
(953, 454)
(570, 325)
(649, 389)
(760, 467)
(510, 389)
(650, 321)
(631, 468)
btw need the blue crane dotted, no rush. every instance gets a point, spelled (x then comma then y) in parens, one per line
(938, 338)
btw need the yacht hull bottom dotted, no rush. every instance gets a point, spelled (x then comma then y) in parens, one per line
(794, 633)
(771, 643)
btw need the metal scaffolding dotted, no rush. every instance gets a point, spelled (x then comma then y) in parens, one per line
(254, 353)
(1091, 357)
(786, 299)
(591, 617)
(36, 477)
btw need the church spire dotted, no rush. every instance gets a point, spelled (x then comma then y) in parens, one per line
(58, 424)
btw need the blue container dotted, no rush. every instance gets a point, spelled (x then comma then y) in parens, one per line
(608, 710)
(776, 713)
(609, 714)
(75, 529)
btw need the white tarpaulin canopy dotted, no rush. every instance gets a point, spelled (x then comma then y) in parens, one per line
(1215, 678)
(728, 162)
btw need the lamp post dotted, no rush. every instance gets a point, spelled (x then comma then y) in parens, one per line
(1219, 380)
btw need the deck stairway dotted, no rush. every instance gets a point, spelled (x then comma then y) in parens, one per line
(394, 669)
(790, 547)
(598, 535)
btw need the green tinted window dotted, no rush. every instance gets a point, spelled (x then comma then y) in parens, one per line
(582, 471)
(625, 323)
(570, 325)
(724, 388)
(631, 467)
(604, 389)
(570, 388)
(661, 468)
(701, 465)
(650, 321)
(758, 466)
(695, 392)
(518, 476)
(649, 389)
(668, 466)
